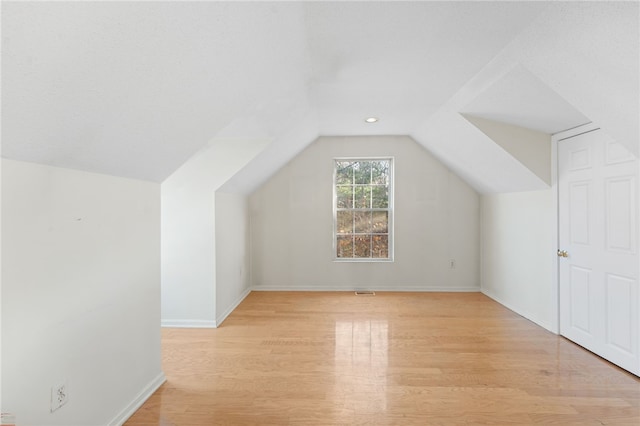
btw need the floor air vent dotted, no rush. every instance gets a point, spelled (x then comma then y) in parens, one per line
(365, 293)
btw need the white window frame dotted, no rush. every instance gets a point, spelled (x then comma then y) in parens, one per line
(390, 210)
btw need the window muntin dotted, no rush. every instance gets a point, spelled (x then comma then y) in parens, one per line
(362, 209)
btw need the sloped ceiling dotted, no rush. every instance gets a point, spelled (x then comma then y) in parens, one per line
(135, 89)
(521, 99)
(401, 61)
(576, 59)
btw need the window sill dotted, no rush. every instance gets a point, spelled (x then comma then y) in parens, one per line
(363, 260)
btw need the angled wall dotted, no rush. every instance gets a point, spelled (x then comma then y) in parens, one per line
(436, 219)
(203, 204)
(189, 234)
(474, 156)
(529, 147)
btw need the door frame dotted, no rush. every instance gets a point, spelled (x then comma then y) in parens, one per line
(555, 265)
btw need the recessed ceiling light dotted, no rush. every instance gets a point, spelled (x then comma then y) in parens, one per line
(371, 120)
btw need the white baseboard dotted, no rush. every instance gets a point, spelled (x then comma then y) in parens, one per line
(357, 288)
(231, 308)
(137, 402)
(179, 323)
(521, 312)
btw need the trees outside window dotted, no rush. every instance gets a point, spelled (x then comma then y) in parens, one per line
(362, 209)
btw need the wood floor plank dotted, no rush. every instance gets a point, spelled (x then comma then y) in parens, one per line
(288, 358)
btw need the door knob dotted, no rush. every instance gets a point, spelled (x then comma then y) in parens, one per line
(563, 253)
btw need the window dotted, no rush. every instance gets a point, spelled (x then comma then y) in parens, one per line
(363, 209)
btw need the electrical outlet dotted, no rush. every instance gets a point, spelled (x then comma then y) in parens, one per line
(7, 419)
(59, 396)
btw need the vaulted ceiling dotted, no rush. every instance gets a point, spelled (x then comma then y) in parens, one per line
(135, 89)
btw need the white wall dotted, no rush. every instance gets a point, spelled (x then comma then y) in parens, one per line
(81, 293)
(232, 252)
(517, 251)
(188, 253)
(188, 230)
(436, 219)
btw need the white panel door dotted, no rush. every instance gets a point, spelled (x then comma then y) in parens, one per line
(598, 219)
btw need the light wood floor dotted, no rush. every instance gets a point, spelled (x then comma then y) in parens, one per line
(390, 359)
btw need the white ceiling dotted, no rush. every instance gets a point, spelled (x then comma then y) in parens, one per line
(401, 61)
(135, 89)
